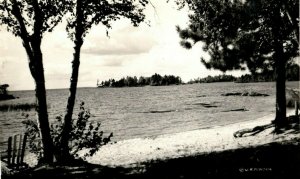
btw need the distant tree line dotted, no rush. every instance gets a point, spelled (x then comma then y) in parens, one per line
(212, 79)
(292, 74)
(154, 80)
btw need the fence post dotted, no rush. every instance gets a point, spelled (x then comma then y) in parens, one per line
(296, 108)
(23, 148)
(14, 149)
(19, 150)
(9, 151)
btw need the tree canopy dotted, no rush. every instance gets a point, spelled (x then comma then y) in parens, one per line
(239, 34)
(94, 12)
(50, 14)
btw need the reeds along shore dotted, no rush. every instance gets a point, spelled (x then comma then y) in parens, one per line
(17, 107)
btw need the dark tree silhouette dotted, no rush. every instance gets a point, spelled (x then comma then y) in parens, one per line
(259, 34)
(85, 14)
(29, 20)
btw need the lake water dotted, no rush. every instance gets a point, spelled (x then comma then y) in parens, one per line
(150, 111)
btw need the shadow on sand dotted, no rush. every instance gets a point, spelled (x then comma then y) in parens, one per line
(276, 160)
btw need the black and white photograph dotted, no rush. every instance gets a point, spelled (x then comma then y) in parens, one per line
(150, 89)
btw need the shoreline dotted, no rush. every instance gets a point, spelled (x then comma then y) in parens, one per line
(214, 151)
(128, 153)
(132, 152)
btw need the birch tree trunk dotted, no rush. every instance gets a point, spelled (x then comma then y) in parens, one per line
(73, 81)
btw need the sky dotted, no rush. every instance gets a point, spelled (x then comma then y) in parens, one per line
(128, 51)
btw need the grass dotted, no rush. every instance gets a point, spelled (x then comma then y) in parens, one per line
(17, 107)
(275, 160)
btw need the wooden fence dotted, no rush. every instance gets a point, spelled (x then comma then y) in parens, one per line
(14, 155)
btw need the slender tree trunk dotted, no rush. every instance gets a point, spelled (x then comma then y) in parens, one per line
(40, 93)
(74, 79)
(42, 110)
(37, 71)
(71, 100)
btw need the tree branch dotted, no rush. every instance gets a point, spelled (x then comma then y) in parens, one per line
(24, 35)
(38, 22)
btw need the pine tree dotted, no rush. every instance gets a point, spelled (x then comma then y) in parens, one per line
(261, 35)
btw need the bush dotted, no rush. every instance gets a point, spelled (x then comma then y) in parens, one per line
(84, 135)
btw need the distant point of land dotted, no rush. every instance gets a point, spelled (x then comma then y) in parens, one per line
(4, 93)
(154, 80)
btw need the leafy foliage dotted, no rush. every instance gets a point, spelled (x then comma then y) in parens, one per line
(35, 143)
(94, 12)
(49, 15)
(84, 135)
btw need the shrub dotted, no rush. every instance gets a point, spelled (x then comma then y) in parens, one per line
(84, 135)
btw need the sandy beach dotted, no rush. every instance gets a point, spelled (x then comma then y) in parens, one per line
(134, 151)
(131, 152)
